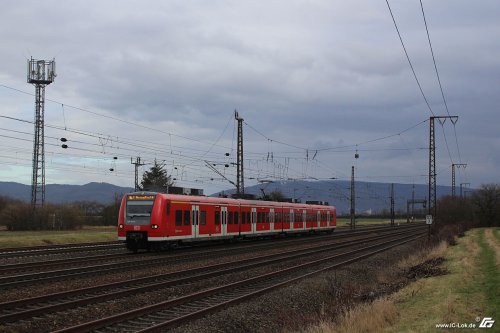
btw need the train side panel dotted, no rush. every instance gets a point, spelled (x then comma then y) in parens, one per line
(154, 220)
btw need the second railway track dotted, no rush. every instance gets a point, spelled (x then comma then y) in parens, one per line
(24, 309)
(50, 271)
(183, 309)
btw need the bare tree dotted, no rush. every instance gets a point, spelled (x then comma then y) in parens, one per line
(487, 203)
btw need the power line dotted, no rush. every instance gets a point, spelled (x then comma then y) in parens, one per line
(110, 117)
(434, 59)
(408, 58)
(439, 79)
(415, 75)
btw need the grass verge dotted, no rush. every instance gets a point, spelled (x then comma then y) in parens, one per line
(470, 292)
(35, 238)
(343, 221)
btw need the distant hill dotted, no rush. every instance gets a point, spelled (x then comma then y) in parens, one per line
(57, 193)
(370, 197)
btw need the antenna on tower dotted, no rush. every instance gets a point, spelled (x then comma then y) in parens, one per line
(40, 73)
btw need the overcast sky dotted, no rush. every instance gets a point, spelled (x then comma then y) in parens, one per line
(315, 81)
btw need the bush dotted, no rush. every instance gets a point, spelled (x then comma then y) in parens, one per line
(21, 216)
(18, 216)
(486, 202)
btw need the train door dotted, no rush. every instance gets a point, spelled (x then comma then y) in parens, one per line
(271, 219)
(195, 210)
(223, 222)
(292, 219)
(318, 219)
(304, 219)
(254, 220)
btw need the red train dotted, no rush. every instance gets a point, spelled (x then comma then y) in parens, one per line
(155, 221)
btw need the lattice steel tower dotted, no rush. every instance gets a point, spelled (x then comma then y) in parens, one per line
(432, 161)
(240, 182)
(40, 73)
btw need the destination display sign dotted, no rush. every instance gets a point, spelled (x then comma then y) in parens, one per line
(140, 197)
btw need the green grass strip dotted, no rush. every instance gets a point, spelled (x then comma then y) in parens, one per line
(496, 232)
(491, 275)
(35, 238)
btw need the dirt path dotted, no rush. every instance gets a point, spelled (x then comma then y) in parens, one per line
(493, 243)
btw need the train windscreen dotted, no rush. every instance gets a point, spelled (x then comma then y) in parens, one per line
(139, 209)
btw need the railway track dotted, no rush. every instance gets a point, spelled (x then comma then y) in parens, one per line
(27, 308)
(44, 250)
(31, 273)
(183, 309)
(57, 249)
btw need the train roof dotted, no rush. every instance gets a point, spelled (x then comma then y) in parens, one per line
(218, 200)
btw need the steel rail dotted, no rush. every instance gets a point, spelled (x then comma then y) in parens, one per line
(43, 250)
(177, 311)
(30, 278)
(63, 248)
(45, 304)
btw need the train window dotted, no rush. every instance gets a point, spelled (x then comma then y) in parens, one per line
(243, 217)
(217, 218)
(259, 218)
(267, 217)
(187, 217)
(248, 218)
(235, 217)
(203, 217)
(178, 217)
(168, 208)
(230, 218)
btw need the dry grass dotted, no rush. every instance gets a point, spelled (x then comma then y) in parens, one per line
(456, 297)
(343, 221)
(470, 260)
(423, 256)
(372, 317)
(382, 313)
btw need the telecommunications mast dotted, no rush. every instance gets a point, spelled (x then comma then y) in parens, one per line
(40, 73)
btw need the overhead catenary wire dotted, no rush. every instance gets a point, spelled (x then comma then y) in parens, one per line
(287, 172)
(110, 117)
(415, 74)
(149, 145)
(439, 80)
(408, 58)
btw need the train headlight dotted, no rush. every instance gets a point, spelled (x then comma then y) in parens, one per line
(120, 226)
(154, 226)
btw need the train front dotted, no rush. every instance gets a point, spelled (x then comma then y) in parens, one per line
(137, 219)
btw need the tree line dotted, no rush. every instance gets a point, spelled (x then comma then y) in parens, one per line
(482, 208)
(19, 215)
